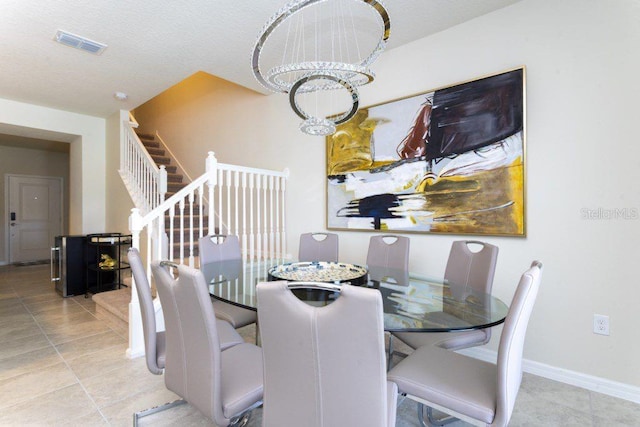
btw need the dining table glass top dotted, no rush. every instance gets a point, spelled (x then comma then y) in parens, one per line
(411, 302)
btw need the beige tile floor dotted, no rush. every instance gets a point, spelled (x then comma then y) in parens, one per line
(59, 365)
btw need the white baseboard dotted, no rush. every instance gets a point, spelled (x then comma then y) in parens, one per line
(132, 354)
(588, 382)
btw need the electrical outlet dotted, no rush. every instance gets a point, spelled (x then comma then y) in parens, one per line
(600, 324)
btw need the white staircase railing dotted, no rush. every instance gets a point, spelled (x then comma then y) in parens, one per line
(145, 181)
(226, 199)
(247, 202)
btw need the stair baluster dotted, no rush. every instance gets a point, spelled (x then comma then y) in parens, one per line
(162, 200)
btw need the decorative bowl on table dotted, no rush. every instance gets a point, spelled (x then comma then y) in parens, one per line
(319, 271)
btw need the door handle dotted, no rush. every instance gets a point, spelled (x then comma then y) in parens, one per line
(54, 279)
(13, 224)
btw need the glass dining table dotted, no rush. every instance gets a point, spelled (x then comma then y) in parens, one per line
(411, 302)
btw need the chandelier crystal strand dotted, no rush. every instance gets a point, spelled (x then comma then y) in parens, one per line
(353, 29)
(333, 34)
(324, 72)
(342, 19)
(286, 42)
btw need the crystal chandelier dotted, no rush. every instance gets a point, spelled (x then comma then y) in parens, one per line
(312, 47)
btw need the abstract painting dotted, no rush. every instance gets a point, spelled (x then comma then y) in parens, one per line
(450, 160)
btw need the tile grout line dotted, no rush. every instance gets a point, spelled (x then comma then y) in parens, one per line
(591, 412)
(64, 360)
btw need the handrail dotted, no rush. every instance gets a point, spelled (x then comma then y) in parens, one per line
(132, 121)
(245, 169)
(179, 166)
(176, 198)
(146, 183)
(143, 152)
(247, 202)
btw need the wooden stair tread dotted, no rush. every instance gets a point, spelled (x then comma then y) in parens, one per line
(155, 151)
(150, 144)
(174, 184)
(160, 160)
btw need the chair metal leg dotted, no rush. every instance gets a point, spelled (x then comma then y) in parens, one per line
(144, 413)
(242, 419)
(390, 354)
(257, 334)
(431, 420)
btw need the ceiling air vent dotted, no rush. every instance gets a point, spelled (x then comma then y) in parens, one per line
(79, 42)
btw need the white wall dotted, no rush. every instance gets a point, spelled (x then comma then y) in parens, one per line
(582, 66)
(86, 157)
(582, 69)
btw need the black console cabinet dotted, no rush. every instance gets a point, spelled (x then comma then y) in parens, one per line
(75, 263)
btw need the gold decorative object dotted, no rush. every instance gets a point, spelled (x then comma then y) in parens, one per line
(107, 262)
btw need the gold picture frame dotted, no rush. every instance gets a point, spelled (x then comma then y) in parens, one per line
(450, 160)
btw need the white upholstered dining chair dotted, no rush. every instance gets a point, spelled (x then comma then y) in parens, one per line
(324, 366)
(224, 385)
(468, 268)
(154, 340)
(318, 247)
(219, 247)
(467, 388)
(388, 251)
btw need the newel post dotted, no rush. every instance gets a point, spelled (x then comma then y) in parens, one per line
(135, 227)
(162, 184)
(211, 166)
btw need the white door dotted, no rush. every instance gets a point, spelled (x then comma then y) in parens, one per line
(35, 216)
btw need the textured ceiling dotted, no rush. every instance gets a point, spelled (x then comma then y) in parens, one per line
(153, 45)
